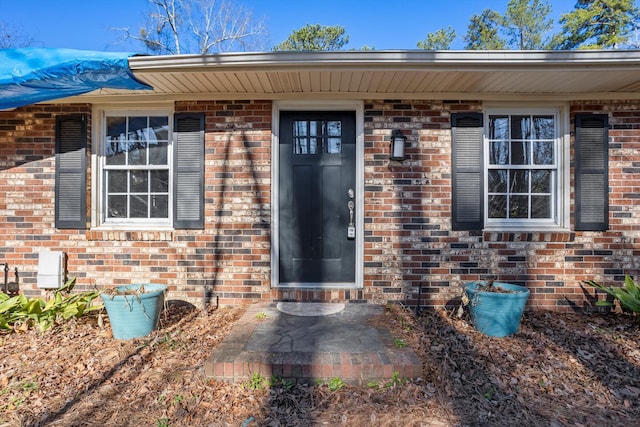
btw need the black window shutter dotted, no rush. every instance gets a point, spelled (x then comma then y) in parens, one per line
(188, 200)
(467, 177)
(71, 172)
(592, 172)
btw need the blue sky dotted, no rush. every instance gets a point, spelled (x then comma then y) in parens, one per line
(382, 24)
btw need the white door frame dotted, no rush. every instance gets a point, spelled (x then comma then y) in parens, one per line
(358, 108)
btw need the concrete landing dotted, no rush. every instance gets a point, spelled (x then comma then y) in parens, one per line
(346, 344)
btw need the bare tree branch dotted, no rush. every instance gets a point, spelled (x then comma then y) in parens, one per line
(197, 26)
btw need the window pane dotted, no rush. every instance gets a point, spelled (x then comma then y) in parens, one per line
(498, 127)
(334, 145)
(116, 141)
(158, 129)
(520, 127)
(541, 181)
(543, 153)
(139, 206)
(519, 207)
(497, 206)
(520, 153)
(139, 182)
(117, 206)
(313, 145)
(499, 153)
(158, 153)
(159, 206)
(159, 181)
(117, 181)
(540, 207)
(157, 140)
(543, 127)
(519, 181)
(497, 181)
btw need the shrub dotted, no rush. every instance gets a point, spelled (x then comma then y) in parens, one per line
(23, 313)
(628, 295)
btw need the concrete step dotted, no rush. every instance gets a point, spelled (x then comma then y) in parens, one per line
(347, 345)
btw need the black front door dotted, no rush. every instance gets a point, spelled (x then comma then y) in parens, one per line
(317, 177)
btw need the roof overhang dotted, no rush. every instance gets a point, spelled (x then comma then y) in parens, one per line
(410, 74)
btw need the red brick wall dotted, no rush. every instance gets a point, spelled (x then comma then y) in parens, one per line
(409, 241)
(408, 237)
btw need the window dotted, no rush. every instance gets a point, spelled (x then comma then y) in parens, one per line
(510, 170)
(522, 169)
(311, 136)
(136, 169)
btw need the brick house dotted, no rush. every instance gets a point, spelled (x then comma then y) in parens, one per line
(267, 176)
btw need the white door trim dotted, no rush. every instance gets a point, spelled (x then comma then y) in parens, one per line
(358, 108)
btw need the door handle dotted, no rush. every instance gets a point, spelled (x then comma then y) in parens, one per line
(350, 205)
(351, 229)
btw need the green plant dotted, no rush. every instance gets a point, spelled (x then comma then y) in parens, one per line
(399, 343)
(162, 422)
(261, 316)
(22, 312)
(628, 295)
(177, 399)
(257, 382)
(489, 393)
(280, 382)
(373, 384)
(336, 384)
(396, 380)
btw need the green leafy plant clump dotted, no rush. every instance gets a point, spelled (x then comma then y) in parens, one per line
(628, 295)
(21, 313)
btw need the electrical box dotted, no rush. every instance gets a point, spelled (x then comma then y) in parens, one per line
(52, 268)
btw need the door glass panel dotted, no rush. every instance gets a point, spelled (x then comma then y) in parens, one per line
(334, 145)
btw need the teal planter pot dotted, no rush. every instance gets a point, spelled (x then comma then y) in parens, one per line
(496, 314)
(134, 310)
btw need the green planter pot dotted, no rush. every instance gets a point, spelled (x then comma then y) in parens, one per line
(134, 315)
(496, 314)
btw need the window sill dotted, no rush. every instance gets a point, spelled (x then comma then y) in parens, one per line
(556, 235)
(130, 235)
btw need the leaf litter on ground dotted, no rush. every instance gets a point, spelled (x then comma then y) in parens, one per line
(568, 369)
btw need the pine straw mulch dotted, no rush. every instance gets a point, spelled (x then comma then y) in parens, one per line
(559, 370)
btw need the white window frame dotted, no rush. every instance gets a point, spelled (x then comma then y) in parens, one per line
(98, 193)
(561, 186)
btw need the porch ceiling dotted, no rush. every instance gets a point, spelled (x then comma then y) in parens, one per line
(487, 75)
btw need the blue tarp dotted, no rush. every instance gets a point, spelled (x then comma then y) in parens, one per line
(33, 75)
